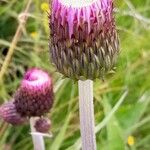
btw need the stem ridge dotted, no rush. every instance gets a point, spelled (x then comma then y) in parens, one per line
(87, 115)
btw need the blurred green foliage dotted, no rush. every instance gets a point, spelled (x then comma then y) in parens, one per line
(121, 102)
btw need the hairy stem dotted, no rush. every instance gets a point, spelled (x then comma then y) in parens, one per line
(38, 140)
(87, 115)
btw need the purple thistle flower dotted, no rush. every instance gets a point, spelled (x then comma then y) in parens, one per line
(9, 114)
(43, 125)
(35, 95)
(84, 42)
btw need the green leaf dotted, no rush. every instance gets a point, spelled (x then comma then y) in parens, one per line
(114, 132)
(129, 115)
(60, 137)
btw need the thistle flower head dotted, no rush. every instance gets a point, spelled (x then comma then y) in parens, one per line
(35, 95)
(84, 41)
(9, 114)
(43, 125)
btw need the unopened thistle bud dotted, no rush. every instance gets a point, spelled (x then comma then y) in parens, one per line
(84, 42)
(43, 125)
(9, 114)
(35, 95)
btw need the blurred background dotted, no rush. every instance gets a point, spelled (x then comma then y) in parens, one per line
(122, 109)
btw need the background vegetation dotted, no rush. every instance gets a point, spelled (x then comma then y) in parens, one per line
(122, 111)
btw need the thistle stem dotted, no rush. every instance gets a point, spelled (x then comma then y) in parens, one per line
(38, 140)
(87, 115)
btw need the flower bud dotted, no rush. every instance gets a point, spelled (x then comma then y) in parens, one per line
(9, 114)
(43, 125)
(35, 95)
(84, 42)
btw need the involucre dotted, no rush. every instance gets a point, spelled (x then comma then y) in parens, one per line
(84, 42)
